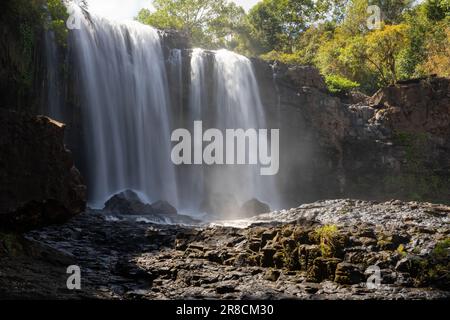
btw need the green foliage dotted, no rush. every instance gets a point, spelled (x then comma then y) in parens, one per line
(209, 23)
(332, 35)
(278, 24)
(287, 58)
(58, 17)
(328, 237)
(21, 24)
(437, 9)
(338, 84)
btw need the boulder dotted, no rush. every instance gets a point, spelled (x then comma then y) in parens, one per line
(39, 182)
(254, 207)
(127, 202)
(163, 207)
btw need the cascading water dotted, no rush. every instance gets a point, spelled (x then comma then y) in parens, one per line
(238, 105)
(125, 103)
(224, 94)
(128, 116)
(191, 178)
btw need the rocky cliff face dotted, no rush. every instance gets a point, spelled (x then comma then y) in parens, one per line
(398, 143)
(392, 145)
(39, 183)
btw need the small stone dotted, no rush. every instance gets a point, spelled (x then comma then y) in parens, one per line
(272, 275)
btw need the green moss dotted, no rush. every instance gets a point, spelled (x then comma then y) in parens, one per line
(329, 239)
(11, 244)
(442, 249)
(401, 250)
(435, 270)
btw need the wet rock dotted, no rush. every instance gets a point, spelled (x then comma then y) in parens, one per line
(267, 259)
(311, 287)
(127, 202)
(307, 255)
(223, 289)
(272, 275)
(163, 207)
(254, 244)
(410, 264)
(323, 269)
(267, 236)
(347, 273)
(253, 207)
(119, 258)
(214, 256)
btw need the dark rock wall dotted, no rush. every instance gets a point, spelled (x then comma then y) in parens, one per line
(39, 182)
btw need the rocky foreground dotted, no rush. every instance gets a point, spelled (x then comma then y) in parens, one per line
(316, 251)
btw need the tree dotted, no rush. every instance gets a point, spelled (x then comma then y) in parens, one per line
(277, 24)
(392, 10)
(208, 22)
(437, 9)
(383, 50)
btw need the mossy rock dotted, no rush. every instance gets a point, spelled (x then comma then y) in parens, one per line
(301, 235)
(279, 259)
(272, 275)
(268, 236)
(287, 231)
(267, 257)
(436, 270)
(323, 269)
(391, 241)
(348, 273)
(307, 254)
(11, 244)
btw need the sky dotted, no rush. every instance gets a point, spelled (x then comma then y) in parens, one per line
(128, 9)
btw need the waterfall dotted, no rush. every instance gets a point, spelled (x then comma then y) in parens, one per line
(129, 110)
(125, 109)
(191, 178)
(224, 94)
(238, 105)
